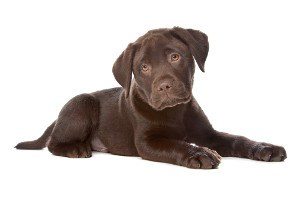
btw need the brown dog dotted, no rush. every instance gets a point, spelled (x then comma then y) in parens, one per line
(154, 115)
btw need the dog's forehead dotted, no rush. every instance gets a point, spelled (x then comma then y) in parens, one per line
(156, 41)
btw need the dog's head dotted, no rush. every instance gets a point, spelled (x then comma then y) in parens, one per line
(162, 62)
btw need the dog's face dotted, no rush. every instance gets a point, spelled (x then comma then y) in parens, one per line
(163, 69)
(162, 62)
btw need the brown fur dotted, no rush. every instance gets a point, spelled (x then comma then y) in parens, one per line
(154, 115)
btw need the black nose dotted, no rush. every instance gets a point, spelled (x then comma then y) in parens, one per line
(164, 86)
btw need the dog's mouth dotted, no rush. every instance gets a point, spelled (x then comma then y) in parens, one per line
(168, 102)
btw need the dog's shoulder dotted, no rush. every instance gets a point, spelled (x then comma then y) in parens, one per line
(108, 93)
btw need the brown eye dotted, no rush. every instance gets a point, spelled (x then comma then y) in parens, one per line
(144, 67)
(175, 57)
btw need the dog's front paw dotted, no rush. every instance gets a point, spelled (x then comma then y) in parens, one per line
(202, 158)
(268, 152)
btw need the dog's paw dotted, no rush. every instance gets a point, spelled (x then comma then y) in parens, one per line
(202, 158)
(74, 150)
(268, 152)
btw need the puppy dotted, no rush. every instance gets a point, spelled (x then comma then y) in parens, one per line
(153, 115)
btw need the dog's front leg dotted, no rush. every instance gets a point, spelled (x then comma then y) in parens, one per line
(159, 149)
(202, 133)
(239, 146)
(228, 145)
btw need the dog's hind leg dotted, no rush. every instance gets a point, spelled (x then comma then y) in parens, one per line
(72, 132)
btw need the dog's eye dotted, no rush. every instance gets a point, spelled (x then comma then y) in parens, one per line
(175, 57)
(144, 67)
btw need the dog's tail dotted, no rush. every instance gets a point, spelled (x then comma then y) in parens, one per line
(39, 143)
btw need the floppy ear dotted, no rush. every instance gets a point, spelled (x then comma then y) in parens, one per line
(122, 68)
(197, 43)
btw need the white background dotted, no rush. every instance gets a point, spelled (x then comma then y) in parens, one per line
(51, 51)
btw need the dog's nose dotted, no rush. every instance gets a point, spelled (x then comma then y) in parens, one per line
(164, 86)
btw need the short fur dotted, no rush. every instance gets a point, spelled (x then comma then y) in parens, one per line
(154, 115)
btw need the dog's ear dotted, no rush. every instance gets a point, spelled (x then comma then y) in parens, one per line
(122, 68)
(196, 41)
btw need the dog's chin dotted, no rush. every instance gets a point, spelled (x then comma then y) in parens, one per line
(169, 103)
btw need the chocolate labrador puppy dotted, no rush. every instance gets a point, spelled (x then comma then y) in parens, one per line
(154, 115)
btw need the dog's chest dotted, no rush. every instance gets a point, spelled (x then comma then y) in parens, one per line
(169, 129)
